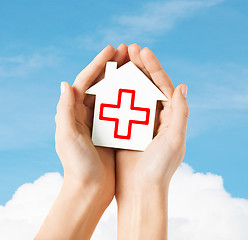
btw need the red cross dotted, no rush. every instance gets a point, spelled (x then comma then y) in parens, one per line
(132, 108)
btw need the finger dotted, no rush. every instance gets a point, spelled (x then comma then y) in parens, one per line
(86, 77)
(65, 117)
(159, 76)
(121, 55)
(134, 54)
(180, 114)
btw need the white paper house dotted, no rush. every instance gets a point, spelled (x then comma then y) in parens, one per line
(125, 108)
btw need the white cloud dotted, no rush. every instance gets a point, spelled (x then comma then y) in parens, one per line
(199, 208)
(153, 19)
(22, 216)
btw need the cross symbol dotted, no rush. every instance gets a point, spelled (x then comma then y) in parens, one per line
(124, 114)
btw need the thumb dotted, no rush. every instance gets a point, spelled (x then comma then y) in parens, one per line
(65, 117)
(180, 114)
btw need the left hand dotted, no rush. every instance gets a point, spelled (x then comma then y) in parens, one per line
(135, 170)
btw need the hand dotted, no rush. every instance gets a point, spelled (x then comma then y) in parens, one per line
(82, 161)
(142, 178)
(157, 164)
(89, 171)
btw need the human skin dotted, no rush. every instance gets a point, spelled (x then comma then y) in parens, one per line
(89, 171)
(142, 178)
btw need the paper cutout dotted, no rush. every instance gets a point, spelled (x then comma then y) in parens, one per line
(125, 108)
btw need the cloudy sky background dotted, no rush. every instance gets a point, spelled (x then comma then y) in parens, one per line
(202, 43)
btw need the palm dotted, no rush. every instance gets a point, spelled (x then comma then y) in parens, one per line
(89, 160)
(99, 158)
(98, 161)
(134, 167)
(131, 164)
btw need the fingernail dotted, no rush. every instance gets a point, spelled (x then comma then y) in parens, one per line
(62, 87)
(184, 90)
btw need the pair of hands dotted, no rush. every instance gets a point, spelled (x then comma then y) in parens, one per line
(120, 171)
(112, 171)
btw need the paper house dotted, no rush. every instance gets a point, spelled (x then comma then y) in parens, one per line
(125, 108)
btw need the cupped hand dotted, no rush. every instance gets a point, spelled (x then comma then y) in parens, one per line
(155, 166)
(84, 163)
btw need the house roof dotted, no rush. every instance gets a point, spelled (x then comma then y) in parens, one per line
(126, 76)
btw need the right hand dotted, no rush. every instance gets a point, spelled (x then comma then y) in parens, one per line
(84, 163)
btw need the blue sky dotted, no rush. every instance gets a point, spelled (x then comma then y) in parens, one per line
(200, 43)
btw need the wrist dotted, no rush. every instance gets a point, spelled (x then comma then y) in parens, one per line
(143, 214)
(94, 190)
(82, 203)
(139, 188)
(148, 191)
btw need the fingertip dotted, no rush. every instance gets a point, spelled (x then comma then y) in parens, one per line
(67, 93)
(145, 50)
(121, 54)
(110, 50)
(181, 90)
(110, 47)
(134, 51)
(134, 46)
(180, 115)
(122, 49)
(179, 100)
(184, 90)
(122, 46)
(147, 53)
(151, 62)
(65, 108)
(62, 87)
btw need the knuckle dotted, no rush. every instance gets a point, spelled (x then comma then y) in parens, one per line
(59, 106)
(186, 111)
(64, 105)
(95, 64)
